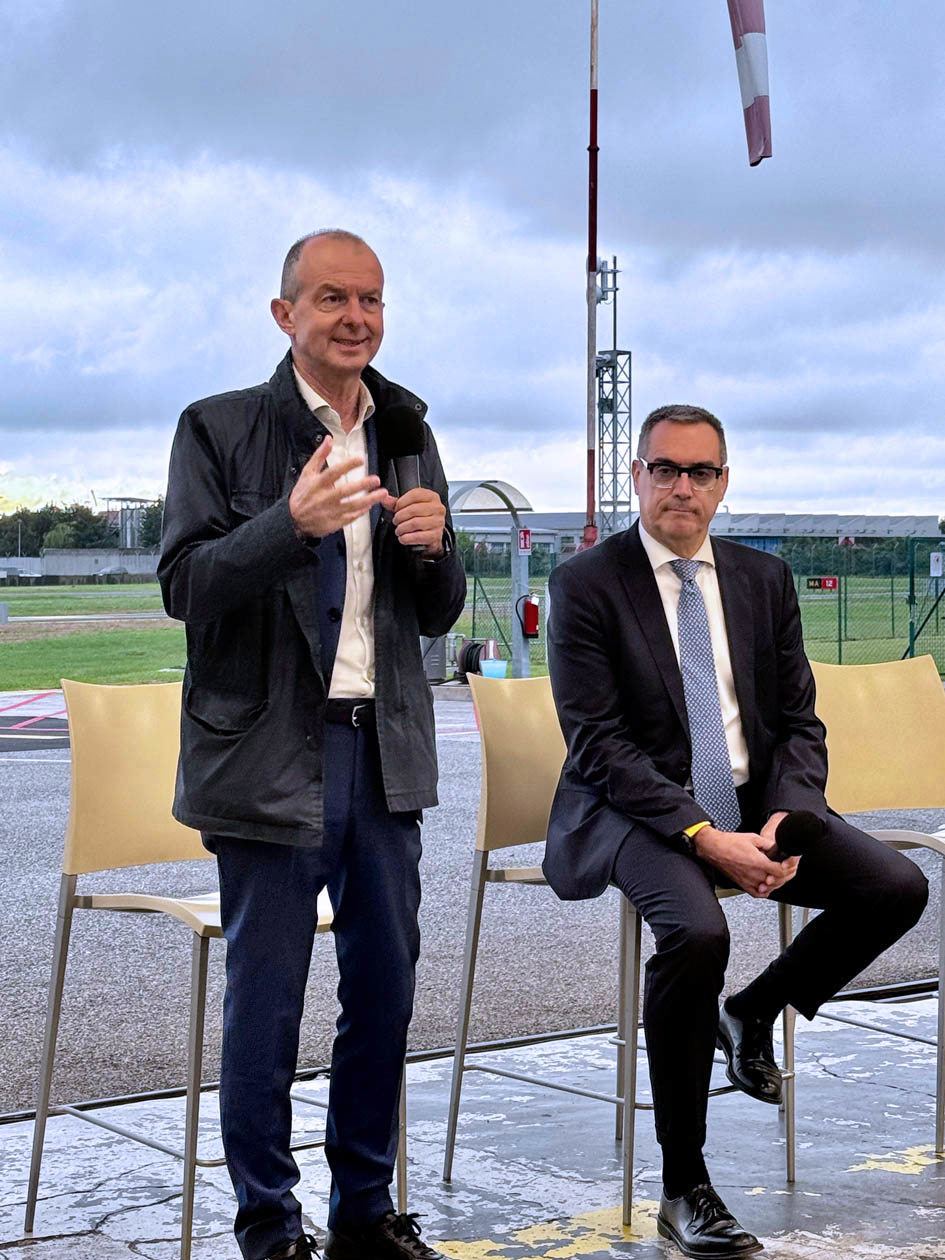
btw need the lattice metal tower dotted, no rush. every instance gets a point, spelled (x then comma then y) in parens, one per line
(614, 447)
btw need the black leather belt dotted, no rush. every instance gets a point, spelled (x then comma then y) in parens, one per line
(350, 712)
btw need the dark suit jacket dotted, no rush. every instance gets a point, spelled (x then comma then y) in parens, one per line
(619, 694)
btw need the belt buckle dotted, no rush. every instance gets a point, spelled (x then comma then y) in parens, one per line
(354, 715)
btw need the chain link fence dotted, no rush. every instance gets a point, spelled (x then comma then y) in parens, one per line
(869, 602)
(862, 602)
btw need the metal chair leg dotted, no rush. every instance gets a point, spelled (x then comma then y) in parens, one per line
(786, 926)
(631, 1006)
(53, 1007)
(940, 1062)
(198, 1005)
(402, 1145)
(621, 1008)
(473, 919)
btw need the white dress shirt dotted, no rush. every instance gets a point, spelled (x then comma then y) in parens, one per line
(353, 672)
(670, 585)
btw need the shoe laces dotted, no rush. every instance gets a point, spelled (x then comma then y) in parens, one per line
(406, 1226)
(706, 1198)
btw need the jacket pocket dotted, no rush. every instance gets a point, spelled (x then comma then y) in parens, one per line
(222, 712)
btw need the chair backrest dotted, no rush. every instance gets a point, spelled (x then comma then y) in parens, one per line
(522, 754)
(885, 734)
(125, 742)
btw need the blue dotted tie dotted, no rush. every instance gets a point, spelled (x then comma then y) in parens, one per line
(712, 782)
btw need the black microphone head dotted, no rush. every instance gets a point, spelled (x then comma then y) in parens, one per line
(797, 832)
(401, 431)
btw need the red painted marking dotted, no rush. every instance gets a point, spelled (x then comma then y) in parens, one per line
(29, 722)
(40, 695)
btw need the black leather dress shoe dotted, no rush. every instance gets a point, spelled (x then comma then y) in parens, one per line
(302, 1248)
(748, 1049)
(701, 1225)
(396, 1236)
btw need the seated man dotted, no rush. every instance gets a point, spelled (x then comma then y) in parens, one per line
(687, 704)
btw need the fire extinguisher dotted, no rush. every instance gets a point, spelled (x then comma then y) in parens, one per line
(526, 609)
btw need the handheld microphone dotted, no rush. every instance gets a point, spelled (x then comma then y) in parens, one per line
(795, 834)
(402, 436)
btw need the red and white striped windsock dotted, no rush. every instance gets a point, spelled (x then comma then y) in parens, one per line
(751, 56)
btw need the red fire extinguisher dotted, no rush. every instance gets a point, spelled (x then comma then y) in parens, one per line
(527, 609)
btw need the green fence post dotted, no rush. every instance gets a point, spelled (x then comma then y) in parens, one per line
(839, 618)
(892, 600)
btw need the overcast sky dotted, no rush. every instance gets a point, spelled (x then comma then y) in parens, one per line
(157, 160)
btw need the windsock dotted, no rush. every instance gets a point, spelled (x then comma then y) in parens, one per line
(751, 57)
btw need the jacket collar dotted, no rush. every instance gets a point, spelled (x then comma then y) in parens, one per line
(293, 408)
(644, 598)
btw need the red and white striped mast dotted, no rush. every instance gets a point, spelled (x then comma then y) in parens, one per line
(590, 525)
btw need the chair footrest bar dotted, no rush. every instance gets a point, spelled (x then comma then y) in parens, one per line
(546, 1084)
(309, 1102)
(132, 1134)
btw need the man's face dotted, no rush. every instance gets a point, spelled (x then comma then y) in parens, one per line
(679, 516)
(336, 322)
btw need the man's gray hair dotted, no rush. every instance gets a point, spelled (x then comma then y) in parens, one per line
(679, 413)
(289, 289)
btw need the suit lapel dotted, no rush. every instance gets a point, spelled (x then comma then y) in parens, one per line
(735, 590)
(647, 607)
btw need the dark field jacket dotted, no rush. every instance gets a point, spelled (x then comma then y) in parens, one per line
(233, 569)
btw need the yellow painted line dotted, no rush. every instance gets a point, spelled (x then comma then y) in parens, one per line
(583, 1235)
(909, 1162)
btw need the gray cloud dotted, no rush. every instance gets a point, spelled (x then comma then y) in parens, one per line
(158, 161)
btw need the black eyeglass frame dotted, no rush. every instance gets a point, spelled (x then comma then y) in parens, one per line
(679, 469)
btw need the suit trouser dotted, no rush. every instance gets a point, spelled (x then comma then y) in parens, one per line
(369, 861)
(869, 896)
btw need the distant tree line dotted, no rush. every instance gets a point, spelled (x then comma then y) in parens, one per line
(28, 530)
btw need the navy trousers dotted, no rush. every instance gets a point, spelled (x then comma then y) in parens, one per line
(369, 861)
(869, 896)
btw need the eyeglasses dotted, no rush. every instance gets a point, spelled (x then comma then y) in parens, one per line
(665, 474)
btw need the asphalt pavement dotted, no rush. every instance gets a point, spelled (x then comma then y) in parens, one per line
(544, 965)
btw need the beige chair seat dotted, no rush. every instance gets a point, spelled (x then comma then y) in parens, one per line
(125, 744)
(886, 751)
(522, 754)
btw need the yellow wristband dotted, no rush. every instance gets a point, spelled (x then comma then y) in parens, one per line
(696, 828)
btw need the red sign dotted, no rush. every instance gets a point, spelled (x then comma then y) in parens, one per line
(823, 584)
(524, 542)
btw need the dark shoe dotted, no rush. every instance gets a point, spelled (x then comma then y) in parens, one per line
(749, 1052)
(701, 1225)
(396, 1236)
(302, 1248)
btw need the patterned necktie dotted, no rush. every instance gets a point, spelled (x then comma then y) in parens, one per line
(712, 782)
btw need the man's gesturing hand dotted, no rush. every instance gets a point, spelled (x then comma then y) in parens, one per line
(419, 520)
(741, 856)
(321, 502)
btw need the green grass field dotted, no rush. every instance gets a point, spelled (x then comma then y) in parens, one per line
(142, 654)
(874, 622)
(51, 601)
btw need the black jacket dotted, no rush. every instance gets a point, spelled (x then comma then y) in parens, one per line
(234, 570)
(619, 695)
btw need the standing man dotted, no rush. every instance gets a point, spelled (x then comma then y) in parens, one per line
(687, 704)
(305, 578)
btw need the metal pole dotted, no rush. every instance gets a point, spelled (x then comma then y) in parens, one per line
(911, 649)
(521, 647)
(590, 525)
